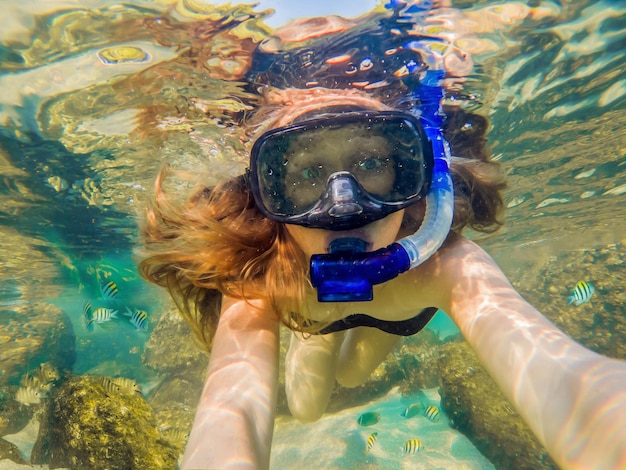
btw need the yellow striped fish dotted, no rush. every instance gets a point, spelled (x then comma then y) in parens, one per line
(88, 316)
(109, 385)
(432, 413)
(30, 381)
(176, 436)
(371, 440)
(139, 318)
(411, 446)
(41, 378)
(127, 385)
(102, 315)
(28, 396)
(47, 373)
(109, 290)
(581, 293)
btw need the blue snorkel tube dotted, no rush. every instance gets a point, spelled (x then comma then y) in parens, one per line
(347, 273)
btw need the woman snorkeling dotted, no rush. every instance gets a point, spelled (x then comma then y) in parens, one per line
(346, 228)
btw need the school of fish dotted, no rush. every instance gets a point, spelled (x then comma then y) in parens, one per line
(421, 407)
(104, 315)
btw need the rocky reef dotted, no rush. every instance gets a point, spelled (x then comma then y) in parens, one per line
(38, 347)
(599, 324)
(31, 334)
(478, 409)
(96, 423)
(106, 422)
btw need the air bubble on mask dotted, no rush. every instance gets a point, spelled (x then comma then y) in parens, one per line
(366, 64)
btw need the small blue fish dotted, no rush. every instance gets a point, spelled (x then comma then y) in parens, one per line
(582, 293)
(368, 419)
(109, 290)
(139, 318)
(412, 410)
(432, 413)
(102, 315)
(411, 446)
(371, 440)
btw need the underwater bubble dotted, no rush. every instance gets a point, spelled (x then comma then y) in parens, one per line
(123, 55)
(366, 64)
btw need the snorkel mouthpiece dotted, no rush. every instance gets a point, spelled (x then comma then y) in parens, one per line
(347, 273)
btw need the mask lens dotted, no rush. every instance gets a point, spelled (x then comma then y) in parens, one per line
(385, 152)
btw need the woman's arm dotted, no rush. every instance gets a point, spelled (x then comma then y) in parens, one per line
(235, 417)
(573, 399)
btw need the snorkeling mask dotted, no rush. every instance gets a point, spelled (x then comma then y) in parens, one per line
(342, 171)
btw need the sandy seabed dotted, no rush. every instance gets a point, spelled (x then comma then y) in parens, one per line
(337, 441)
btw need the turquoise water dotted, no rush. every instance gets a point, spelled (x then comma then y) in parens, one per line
(81, 140)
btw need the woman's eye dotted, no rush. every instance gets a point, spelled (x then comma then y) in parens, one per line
(311, 172)
(371, 164)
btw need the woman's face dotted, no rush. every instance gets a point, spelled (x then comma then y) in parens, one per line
(313, 158)
(378, 234)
